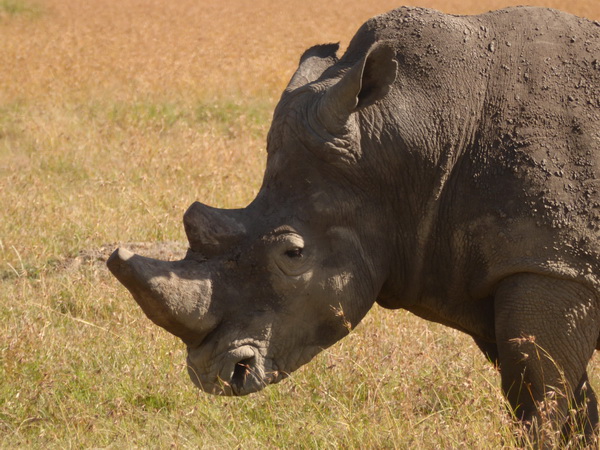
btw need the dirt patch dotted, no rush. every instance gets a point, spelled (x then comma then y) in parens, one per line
(166, 251)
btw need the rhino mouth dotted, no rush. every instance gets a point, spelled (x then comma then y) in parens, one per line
(240, 371)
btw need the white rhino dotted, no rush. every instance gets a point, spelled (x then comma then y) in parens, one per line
(447, 165)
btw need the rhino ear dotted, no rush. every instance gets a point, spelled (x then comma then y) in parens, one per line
(366, 82)
(313, 63)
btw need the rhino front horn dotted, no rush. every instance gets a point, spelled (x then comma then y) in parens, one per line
(173, 294)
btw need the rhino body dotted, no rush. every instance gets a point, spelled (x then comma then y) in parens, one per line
(447, 165)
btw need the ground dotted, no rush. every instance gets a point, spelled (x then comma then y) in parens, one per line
(114, 118)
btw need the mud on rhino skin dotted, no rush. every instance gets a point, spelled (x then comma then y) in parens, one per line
(444, 164)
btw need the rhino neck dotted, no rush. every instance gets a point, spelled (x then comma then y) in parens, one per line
(434, 153)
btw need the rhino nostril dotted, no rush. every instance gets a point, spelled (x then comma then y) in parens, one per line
(241, 371)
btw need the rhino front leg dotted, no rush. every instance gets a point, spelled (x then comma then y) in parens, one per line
(546, 331)
(586, 418)
(489, 349)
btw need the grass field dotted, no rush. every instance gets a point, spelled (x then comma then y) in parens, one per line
(114, 117)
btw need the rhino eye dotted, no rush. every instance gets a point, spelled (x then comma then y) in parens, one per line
(294, 253)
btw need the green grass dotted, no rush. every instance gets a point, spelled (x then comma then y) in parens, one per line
(148, 160)
(19, 8)
(238, 115)
(84, 368)
(81, 366)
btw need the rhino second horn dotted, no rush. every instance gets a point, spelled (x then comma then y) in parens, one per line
(173, 294)
(210, 231)
(313, 63)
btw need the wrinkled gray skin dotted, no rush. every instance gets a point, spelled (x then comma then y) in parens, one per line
(445, 165)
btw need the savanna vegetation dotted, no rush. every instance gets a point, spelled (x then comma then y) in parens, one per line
(114, 117)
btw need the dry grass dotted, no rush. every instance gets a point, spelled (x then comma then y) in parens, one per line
(183, 49)
(114, 117)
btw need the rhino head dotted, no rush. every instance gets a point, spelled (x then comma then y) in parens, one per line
(263, 289)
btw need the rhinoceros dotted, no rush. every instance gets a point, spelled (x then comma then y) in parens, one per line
(447, 165)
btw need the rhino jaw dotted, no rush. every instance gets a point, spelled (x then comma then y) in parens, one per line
(173, 294)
